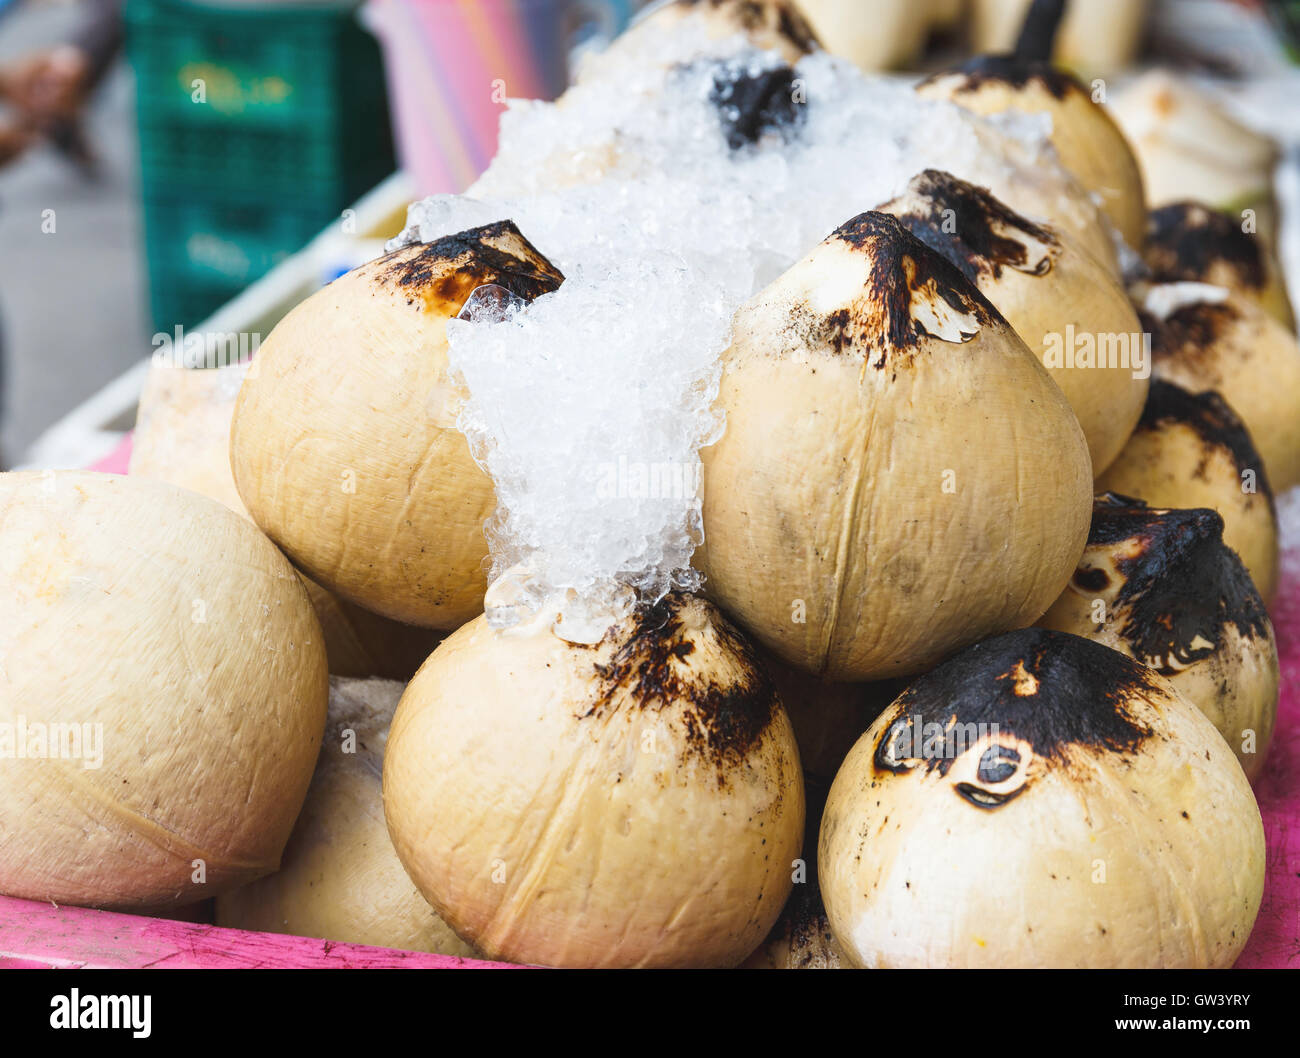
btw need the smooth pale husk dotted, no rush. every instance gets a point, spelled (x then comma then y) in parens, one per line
(1170, 594)
(893, 36)
(1191, 451)
(633, 803)
(1232, 346)
(1190, 147)
(340, 878)
(1048, 288)
(873, 506)
(1089, 143)
(182, 435)
(1147, 852)
(344, 443)
(179, 628)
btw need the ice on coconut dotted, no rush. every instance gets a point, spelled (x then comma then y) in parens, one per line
(588, 407)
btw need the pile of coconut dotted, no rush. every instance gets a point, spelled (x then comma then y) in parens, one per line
(778, 517)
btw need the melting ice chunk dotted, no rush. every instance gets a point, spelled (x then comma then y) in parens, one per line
(491, 303)
(439, 215)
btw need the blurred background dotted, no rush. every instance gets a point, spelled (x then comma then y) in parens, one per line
(167, 163)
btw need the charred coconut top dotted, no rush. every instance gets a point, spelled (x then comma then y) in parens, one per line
(752, 104)
(1178, 586)
(755, 16)
(1018, 73)
(1191, 331)
(1187, 241)
(1210, 417)
(972, 229)
(1046, 694)
(441, 275)
(646, 661)
(909, 293)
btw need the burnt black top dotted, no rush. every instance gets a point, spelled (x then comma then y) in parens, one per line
(1185, 239)
(902, 268)
(751, 105)
(970, 228)
(446, 271)
(1191, 332)
(1015, 72)
(1181, 585)
(1213, 421)
(652, 662)
(780, 16)
(1056, 691)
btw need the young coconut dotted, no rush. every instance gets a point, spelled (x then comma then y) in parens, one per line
(1190, 147)
(771, 25)
(1190, 450)
(340, 878)
(636, 802)
(885, 426)
(1191, 243)
(1041, 800)
(344, 443)
(164, 693)
(1049, 289)
(802, 938)
(1162, 587)
(1205, 337)
(182, 436)
(1090, 144)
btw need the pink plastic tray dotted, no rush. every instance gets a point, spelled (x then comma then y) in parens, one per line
(38, 935)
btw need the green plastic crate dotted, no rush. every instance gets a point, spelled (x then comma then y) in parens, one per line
(202, 254)
(292, 128)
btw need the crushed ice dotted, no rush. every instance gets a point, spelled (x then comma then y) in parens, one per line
(589, 407)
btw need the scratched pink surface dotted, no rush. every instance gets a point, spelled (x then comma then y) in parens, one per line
(38, 935)
(1276, 939)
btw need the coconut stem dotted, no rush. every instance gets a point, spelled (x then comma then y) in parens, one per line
(1038, 33)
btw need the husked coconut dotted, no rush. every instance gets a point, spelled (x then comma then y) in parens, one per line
(344, 442)
(636, 802)
(182, 436)
(1042, 801)
(1208, 338)
(771, 25)
(1050, 290)
(163, 694)
(899, 475)
(1161, 586)
(1190, 450)
(1190, 243)
(340, 878)
(1189, 147)
(1089, 143)
(802, 938)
